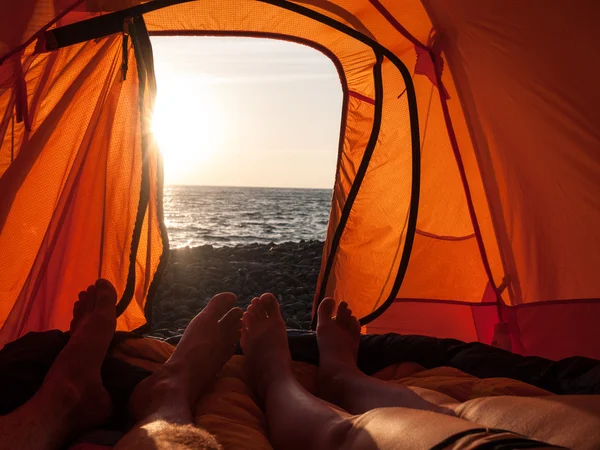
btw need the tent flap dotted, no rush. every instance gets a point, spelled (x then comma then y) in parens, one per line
(75, 184)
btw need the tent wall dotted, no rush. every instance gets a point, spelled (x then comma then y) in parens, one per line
(524, 109)
(532, 108)
(530, 103)
(70, 197)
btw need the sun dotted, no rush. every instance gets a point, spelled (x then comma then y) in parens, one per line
(186, 125)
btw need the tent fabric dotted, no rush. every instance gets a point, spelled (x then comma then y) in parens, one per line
(374, 269)
(494, 131)
(71, 194)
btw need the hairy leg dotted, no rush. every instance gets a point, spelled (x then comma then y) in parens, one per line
(72, 398)
(163, 403)
(298, 420)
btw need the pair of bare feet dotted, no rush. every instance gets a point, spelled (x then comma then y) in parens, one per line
(207, 344)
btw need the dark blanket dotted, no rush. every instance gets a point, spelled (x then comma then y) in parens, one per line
(24, 363)
(576, 375)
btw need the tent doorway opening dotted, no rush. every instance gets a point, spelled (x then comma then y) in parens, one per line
(249, 130)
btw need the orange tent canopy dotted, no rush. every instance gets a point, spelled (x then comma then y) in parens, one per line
(466, 195)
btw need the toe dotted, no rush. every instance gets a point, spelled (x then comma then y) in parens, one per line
(249, 320)
(354, 326)
(220, 304)
(325, 311)
(81, 306)
(106, 289)
(232, 321)
(349, 318)
(106, 297)
(342, 315)
(78, 308)
(258, 308)
(255, 311)
(270, 304)
(91, 297)
(91, 292)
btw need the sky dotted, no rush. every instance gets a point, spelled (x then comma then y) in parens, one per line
(236, 111)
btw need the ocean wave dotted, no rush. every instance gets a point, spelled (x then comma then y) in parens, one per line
(200, 215)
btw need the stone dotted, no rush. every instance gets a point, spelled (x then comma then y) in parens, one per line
(291, 323)
(194, 275)
(182, 323)
(297, 306)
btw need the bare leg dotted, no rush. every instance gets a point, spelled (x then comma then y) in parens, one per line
(72, 398)
(298, 420)
(264, 341)
(344, 384)
(163, 403)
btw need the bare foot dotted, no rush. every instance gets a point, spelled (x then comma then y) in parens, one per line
(338, 338)
(265, 343)
(75, 374)
(207, 344)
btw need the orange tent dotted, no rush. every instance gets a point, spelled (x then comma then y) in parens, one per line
(466, 200)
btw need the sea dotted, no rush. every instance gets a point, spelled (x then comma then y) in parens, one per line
(228, 216)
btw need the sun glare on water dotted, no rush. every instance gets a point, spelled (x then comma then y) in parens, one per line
(186, 124)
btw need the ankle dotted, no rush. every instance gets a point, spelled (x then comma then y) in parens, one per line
(66, 394)
(335, 380)
(338, 370)
(271, 378)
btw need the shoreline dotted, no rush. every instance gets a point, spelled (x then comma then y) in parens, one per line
(195, 274)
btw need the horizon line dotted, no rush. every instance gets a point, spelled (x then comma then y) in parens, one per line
(250, 187)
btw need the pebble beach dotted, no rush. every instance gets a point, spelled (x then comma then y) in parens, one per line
(195, 274)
